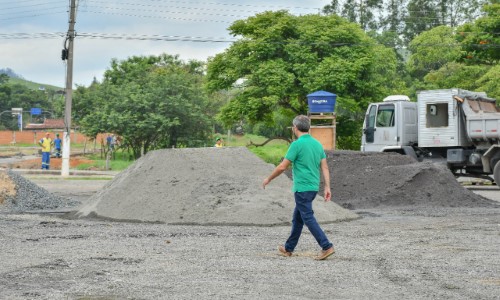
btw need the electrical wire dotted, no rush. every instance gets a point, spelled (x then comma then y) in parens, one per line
(34, 14)
(156, 17)
(29, 11)
(156, 11)
(31, 5)
(172, 38)
(220, 4)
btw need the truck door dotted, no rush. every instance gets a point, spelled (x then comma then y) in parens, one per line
(369, 129)
(380, 130)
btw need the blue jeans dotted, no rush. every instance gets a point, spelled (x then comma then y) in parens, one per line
(304, 214)
(45, 160)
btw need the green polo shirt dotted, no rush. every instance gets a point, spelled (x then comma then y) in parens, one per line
(305, 154)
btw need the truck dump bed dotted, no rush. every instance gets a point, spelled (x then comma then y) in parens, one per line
(457, 118)
(482, 118)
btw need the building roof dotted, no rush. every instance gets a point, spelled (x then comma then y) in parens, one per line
(46, 125)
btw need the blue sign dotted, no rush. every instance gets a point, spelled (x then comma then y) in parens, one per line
(36, 111)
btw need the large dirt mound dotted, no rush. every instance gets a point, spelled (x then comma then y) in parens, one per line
(389, 180)
(18, 194)
(216, 186)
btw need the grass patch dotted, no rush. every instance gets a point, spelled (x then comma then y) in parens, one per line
(99, 163)
(272, 154)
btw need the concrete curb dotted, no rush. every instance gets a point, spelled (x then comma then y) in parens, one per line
(58, 172)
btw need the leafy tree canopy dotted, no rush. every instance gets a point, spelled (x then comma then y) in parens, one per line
(152, 102)
(481, 39)
(482, 78)
(281, 58)
(18, 95)
(431, 50)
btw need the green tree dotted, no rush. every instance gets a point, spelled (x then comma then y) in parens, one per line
(18, 95)
(4, 78)
(476, 65)
(456, 12)
(422, 15)
(151, 102)
(481, 39)
(281, 58)
(363, 12)
(489, 82)
(431, 50)
(455, 74)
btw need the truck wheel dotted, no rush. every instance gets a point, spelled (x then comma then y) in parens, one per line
(496, 173)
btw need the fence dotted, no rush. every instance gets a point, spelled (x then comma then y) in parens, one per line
(8, 137)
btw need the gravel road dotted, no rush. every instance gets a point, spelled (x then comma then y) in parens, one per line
(403, 253)
(419, 235)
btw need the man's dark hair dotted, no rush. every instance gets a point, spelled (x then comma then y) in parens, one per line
(302, 123)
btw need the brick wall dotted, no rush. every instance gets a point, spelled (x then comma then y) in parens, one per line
(8, 137)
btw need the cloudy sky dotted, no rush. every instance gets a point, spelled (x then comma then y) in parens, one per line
(32, 32)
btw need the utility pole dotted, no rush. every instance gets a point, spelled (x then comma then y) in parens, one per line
(69, 91)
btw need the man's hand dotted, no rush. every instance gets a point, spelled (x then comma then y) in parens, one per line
(327, 195)
(276, 172)
(265, 182)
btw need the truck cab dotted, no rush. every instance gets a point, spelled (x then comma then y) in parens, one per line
(454, 126)
(390, 125)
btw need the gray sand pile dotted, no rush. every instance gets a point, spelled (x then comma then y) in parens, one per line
(18, 194)
(216, 186)
(388, 180)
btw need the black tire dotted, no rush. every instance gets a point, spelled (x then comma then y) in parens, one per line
(496, 173)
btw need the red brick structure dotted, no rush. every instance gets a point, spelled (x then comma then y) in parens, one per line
(53, 125)
(33, 132)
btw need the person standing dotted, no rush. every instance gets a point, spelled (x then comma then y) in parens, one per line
(219, 143)
(46, 144)
(307, 156)
(57, 145)
(109, 141)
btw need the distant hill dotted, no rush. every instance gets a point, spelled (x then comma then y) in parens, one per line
(18, 79)
(10, 73)
(34, 85)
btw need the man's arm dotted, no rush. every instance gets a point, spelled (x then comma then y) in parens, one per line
(277, 172)
(326, 176)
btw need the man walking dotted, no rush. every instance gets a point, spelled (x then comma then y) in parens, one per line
(307, 157)
(46, 144)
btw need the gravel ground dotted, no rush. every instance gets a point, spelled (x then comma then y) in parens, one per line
(383, 255)
(425, 249)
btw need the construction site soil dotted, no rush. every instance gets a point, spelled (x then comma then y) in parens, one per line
(55, 163)
(401, 230)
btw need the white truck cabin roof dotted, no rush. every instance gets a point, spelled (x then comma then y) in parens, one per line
(393, 98)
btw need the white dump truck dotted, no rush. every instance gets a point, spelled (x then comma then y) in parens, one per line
(456, 126)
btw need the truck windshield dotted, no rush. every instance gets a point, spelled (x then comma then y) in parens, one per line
(385, 115)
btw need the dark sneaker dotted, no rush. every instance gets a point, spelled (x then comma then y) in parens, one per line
(325, 253)
(283, 251)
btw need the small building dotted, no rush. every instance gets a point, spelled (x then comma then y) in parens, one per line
(52, 125)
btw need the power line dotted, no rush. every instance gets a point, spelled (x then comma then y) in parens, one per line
(223, 4)
(18, 1)
(172, 38)
(154, 17)
(31, 5)
(135, 5)
(170, 12)
(30, 11)
(34, 14)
